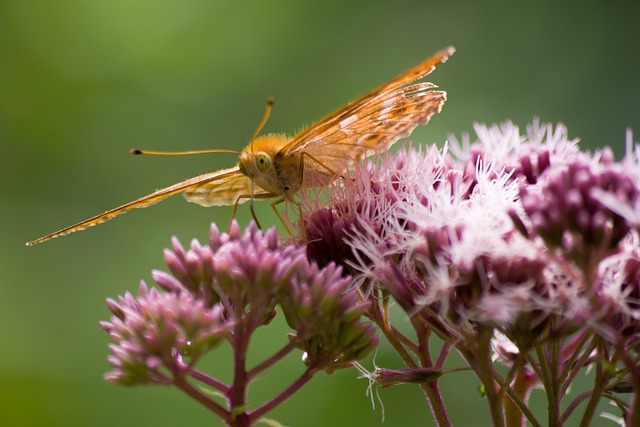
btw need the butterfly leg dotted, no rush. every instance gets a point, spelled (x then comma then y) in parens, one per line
(279, 215)
(235, 209)
(253, 213)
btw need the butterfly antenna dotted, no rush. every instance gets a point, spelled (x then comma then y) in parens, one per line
(265, 117)
(180, 153)
(267, 113)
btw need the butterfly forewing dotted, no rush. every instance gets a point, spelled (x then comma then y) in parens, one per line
(370, 124)
(373, 129)
(198, 181)
(313, 136)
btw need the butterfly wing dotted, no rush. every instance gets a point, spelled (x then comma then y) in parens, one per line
(226, 176)
(226, 190)
(369, 124)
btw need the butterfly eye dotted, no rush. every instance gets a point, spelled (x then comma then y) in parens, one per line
(263, 161)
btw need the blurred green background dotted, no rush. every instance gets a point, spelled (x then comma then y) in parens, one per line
(83, 81)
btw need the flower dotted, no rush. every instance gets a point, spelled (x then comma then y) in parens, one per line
(364, 216)
(566, 211)
(523, 157)
(325, 312)
(226, 290)
(389, 377)
(243, 272)
(158, 336)
(619, 290)
(457, 236)
(516, 248)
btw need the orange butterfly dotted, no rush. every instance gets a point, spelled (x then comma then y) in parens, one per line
(278, 166)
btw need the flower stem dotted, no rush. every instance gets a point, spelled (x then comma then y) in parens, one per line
(238, 391)
(208, 380)
(284, 395)
(515, 399)
(587, 417)
(375, 314)
(633, 417)
(574, 404)
(546, 365)
(572, 367)
(521, 388)
(201, 398)
(554, 386)
(266, 364)
(487, 374)
(436, 403)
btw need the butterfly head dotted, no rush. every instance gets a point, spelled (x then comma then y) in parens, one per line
(257, 160)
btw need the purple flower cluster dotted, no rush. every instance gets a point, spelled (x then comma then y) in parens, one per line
(327, 319)
(566, 212)
(521, 235)
(224, 291)
(159, 335)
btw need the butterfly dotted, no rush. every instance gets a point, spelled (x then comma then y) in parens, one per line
(277, 166)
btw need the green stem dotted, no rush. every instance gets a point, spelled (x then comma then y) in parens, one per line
(486, 374)
(553, 389)
(389, 333)
(545, 376)
(597, 391)
(574, 404)
(575, 364)
(634, 374)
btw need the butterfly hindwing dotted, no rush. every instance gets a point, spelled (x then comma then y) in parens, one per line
(230, 188)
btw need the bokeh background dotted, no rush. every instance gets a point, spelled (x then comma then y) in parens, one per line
(83, 81)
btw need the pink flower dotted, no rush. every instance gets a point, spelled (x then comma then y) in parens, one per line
(158, 336)
(226, 290)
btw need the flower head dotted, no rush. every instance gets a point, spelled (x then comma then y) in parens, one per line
(227, 289)
(368, 208)
(523, 157)
(619, 290)
(325, 312)
(160, 335)
(566, 210)
(457, 236)
(242, 271)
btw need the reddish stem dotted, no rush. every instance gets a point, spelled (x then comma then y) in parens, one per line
(284, 395)
(201, 398)
(272, 360)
